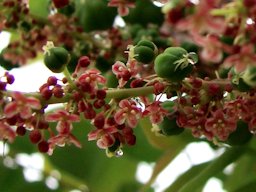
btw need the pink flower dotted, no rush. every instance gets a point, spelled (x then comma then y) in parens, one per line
(220, 124)
(122, 72)
(125, 72)
(21, 105)
(64, 118)
(212, 47)
(246, 57)
(103, 136)
(89, 80)
(64, 127)
(128, 112)
(122, 5)
(202, 21)
(62, 139)
(155, 112)
(237, 108)
(6, 132)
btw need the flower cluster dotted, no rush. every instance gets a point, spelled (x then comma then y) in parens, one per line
(115, 76)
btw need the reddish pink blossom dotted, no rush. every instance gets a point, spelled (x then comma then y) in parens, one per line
(122, 72)
(125, 72)
(155, 112)
(6, 132)
(237, 109)
(89, 80)
(246, 57)
(220, 124)
(212, 47)
(64, 119)
(64, 128)
(21, 105)
(122, 5)
(128, 112)
(61, 139)
(103, 136)
(202, 21)
(191, 118)
(92, 76)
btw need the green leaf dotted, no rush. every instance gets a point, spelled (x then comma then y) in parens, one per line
(243, 169)
(91, 164)
(161, 164)
(39, 8)
(185, 177)
(11, 179)
(143, 150)
(249, 187)
(217, 165)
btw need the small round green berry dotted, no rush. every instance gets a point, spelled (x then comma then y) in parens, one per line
(144, 54)
(56, 59)
(169, 127)
(241, 135)
(176, 51)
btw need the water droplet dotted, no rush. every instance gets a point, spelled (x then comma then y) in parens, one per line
(193, 58)
(119, 153)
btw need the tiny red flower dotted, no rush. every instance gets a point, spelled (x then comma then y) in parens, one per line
(128, 112)
(220, 124)
(6, 132)
(103, 136)
(64, 119)
(21, 105)
(155, 112)
(246, 57)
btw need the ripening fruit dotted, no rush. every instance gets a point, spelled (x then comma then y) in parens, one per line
(145, 51)
(56, 59)
(144, 54)
(176, 51)
(147, 43)
(241, 135)
(170, 67)
(169, 127)
(35, 136)
(95, 14)
(43, 146)
(145, 12)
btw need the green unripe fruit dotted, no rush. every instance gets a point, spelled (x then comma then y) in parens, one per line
(56, 59)
(169, 127)
(176, 51)
(95, 14)
(145, 12)
(166, 66)
(241, 135)
(144, 54)
(147, 43)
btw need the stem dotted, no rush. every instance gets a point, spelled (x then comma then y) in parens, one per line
(69, 78)
(229, 156)
(130, 92)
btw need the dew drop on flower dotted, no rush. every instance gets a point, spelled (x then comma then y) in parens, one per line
(119, 153)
